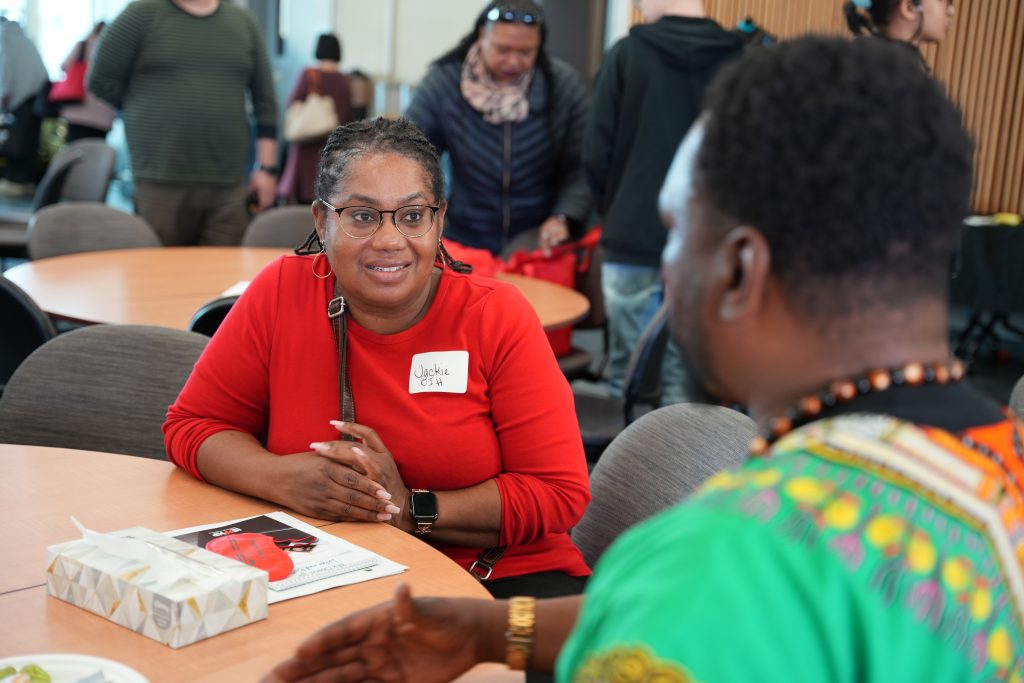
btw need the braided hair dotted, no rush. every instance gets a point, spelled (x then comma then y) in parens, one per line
(359, 138)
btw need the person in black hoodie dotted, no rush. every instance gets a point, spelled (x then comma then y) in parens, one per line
(649, 91)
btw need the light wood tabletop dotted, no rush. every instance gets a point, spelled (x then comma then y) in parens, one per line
(166, 286)
(40, 489)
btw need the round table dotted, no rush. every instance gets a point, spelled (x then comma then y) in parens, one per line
(165, 286)
(42, 487)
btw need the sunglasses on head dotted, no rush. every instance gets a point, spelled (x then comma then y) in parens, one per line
(509, 15)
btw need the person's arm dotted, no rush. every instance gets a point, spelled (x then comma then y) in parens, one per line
(117, 52)
(426, 110)
(572, 197)
(544, 484)
(468, 517)
(602, 126)
(264, 103)
(214, 426)
(425, 640)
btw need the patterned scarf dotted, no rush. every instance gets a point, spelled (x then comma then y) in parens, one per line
(497, 103)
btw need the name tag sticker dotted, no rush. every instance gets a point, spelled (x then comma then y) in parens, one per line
(443, 372)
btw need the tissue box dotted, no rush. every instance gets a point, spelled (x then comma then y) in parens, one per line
(214, 594)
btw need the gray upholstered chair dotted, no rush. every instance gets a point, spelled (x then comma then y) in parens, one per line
(101, 388)
(282, 226)
(656, 462)
(81, 171)
(72, 227)
(1017, 399)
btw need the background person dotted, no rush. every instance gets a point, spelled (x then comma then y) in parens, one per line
(875, 537)
(22, 74)
(180, 72)
(511, 118)
(908, 21)
(649, 91)
(91, 118)
(300, 166)
(462, 410)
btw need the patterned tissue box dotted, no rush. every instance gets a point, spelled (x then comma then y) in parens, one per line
(211, 594)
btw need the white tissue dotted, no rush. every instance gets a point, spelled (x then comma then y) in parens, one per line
(166, 566)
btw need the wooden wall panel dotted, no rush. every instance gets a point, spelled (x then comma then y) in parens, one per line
(981, 62)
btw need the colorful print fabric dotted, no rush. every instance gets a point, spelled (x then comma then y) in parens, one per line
(862, 549)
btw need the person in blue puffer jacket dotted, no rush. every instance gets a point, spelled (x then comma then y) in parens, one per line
(511, 119)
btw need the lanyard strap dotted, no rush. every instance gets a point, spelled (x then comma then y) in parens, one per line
(336, 312)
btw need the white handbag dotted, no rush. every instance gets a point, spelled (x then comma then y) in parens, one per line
(312, 118)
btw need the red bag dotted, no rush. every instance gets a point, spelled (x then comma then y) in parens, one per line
(72, 87)
(562, 266)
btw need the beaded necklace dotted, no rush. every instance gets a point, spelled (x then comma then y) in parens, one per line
(840, 391)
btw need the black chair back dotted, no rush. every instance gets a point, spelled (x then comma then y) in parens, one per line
(27, 328)
(208, 318)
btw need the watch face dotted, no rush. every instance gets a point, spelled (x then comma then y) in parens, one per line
(423, 506)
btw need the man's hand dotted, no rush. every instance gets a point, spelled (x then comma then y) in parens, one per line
(264, 186)
(425, 640)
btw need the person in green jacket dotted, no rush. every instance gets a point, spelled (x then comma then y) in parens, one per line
(180, 72)
(877, 533)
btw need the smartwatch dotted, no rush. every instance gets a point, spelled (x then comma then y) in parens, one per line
(423, 508)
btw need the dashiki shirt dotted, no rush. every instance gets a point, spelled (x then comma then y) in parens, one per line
(863, 548)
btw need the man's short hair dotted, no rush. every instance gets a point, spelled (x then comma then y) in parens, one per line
(850, 160)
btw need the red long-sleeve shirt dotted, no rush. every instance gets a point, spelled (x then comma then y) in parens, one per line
(272, 371)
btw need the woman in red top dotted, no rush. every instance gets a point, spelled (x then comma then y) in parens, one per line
(460, 409)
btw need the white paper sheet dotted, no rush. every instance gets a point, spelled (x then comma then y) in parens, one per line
(329, 552)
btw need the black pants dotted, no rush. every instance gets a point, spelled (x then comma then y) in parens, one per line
(540, 585)
(22, 146)
(78, 132)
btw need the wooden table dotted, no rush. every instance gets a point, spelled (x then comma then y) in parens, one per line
(166, 286)
(41, 487)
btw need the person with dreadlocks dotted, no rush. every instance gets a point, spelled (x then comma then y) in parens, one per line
(455, 421)
(511, 119)
(908, 21)
(877, 532)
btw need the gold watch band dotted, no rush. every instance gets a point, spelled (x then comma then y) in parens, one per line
(519, 636)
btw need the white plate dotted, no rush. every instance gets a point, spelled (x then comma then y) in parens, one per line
(66, 668)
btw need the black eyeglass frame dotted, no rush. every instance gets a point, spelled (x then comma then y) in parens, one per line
(380, 220)
(509, 15)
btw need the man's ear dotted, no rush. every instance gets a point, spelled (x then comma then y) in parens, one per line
(742, 265)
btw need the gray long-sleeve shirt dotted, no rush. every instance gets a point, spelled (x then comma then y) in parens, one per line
(181, 82)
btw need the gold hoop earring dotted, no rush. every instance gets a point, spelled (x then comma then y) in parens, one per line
(313, 266)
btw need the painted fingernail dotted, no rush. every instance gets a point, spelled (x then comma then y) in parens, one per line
(384, 516)
(337, 423)
(383, 494)
(357, 451)
(317, 446)
(393, 509)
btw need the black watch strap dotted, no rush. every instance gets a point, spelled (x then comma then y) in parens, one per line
(272, 170)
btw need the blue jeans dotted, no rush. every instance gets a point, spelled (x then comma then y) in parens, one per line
(632, 294)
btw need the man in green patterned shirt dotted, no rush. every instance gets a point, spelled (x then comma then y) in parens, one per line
(180, 72)
(878, 534)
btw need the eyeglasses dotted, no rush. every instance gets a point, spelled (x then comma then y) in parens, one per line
(507, 14)
(360, 222)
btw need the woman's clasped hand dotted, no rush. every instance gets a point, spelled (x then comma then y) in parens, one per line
(363, 483)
